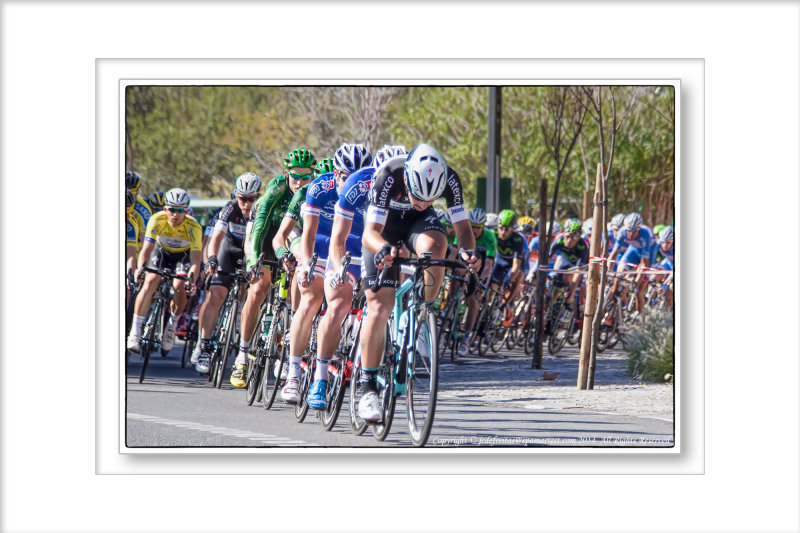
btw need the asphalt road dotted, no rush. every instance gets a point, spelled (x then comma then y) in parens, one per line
(177, 408)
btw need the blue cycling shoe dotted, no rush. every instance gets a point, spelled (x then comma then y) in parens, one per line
(317, 395)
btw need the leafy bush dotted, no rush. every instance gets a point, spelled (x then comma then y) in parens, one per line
(650, 347)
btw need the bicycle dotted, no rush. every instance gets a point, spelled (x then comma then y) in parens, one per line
(192, 333)
(273, 356)
(408, 369)
(153, 330)
(340, 367)
(450, 320)
(258, 361)
(222, 343)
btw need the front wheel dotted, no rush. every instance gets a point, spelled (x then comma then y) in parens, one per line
(357, 424)
(386, 397)
(273, 366)
(422, 381)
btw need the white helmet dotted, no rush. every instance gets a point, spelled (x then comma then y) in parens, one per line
(556, 227)
(425, 173)
(176, 197)
(667, 234)
(248, 183)
(387, 152)
(477, 217)
(492, 220)
(587, 225)
(351, 157)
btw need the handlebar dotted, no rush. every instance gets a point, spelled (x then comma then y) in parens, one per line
(425, 260)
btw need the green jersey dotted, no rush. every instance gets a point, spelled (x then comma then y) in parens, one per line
(293, 211)
(486, 240)
(269, 211)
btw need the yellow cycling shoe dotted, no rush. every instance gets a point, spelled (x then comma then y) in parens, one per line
(238, 376)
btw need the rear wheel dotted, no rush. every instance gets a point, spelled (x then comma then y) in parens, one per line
(386, 397)
(338, 371)
(273, 366)
(558, 337)
(301, 407)
(149, 337)
(422, 381)
(226, 343)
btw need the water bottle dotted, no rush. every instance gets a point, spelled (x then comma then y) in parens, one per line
(268, 322)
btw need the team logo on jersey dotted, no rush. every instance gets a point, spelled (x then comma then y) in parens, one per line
(357, 191)
(456, 190)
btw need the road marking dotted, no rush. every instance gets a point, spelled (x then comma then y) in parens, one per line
(227, 432)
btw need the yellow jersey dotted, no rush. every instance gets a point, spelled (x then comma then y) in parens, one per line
(188, 236)
(132, 230)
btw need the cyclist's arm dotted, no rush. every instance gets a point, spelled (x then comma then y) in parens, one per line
(213, 244)
(373, 241)
(130, 257)
(195, 256)
(281, 238)
(339, 233)
(306, 248)
(464, 234)
(261, 221)
(145, 253)
(516, 264)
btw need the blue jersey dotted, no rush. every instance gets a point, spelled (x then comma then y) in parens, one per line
(641, 243)
(321, 198)
(352, 202)
(657, 250)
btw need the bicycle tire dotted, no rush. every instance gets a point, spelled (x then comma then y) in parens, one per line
(253, 380)
(337, 370)
(189, 344)
(357, 424)
(422, 370)
(276, 353)
(386, 395)
(608, 326)
(301, 407)
(148, 338)
(558, 337)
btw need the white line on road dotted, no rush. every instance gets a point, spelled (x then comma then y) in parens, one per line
(228, 432)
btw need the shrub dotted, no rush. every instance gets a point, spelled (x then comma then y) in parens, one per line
(650, 347)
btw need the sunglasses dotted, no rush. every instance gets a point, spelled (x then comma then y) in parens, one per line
(301, 177)
(248, 199)
(571, 236)
(504, 228)
(176, 209)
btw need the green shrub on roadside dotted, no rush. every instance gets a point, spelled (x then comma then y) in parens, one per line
(650, 347)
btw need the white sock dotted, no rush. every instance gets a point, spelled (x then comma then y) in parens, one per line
(294, 366)
(321, 373)
(138, 324)
(241, 358)
(173, 319)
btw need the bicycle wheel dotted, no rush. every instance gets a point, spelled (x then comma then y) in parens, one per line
(301, 407)
(190, 343)
(422, 382)
(338, 371)
(608, 326)
(253, 380)
(149, 337)
(558, 337)
(357, 424)
(228, 324)
(271, 382)
(386, 397)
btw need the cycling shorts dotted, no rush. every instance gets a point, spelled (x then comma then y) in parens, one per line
(178, 262)
(631, 256)
(227, 256)
(401, 226)
(353, 270)
(500, 271)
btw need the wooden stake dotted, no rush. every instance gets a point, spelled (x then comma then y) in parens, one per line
(592, 283)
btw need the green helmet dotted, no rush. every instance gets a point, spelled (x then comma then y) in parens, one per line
(299, 158)
(324, 166)
(658, 229)
(508, 218)
(574, 227)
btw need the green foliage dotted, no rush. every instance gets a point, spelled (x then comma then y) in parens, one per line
(650, 347)
(202, 137)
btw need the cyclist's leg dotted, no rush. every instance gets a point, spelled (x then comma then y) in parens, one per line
(426, 234)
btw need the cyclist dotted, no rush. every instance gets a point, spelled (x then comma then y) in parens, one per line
(664, 248)
(267, 215)
(511, 252)
(633, 243)
(346, 236)
(132, 182)
(225, 249)
(172, 240)
(318, 214)
(569, 250)
(486, 244)
(131, 237)
(399, 210)
(156, 201)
